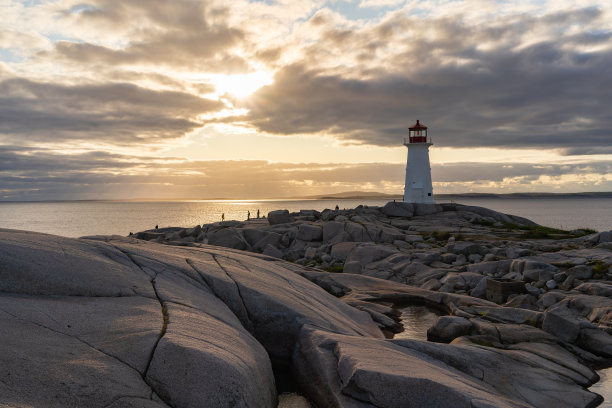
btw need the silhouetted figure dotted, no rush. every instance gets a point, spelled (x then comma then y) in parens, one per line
(337, 208)
(156, 227)
(131, 233)
(223, 217)
(248, 215)
(258, 213)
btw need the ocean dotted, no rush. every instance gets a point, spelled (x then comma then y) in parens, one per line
(79, 218)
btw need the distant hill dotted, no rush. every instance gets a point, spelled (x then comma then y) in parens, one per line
(373, 194)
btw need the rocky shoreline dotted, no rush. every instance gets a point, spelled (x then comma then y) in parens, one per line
(226, 313)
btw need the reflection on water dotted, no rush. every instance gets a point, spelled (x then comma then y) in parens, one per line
(292, 400)
(416, 320)
(603, 387)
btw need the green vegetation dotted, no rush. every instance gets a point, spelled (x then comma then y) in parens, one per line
(483, 222)
(532, 322)
(335, 269)
(441, 235)
(599, 267)
(542, 232)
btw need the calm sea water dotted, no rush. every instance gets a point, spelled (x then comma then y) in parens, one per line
(78, 218)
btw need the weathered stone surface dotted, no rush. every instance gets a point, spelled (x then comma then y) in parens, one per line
(427, 209)
(362, 372)
(332, 229)
(562, 323)
(342, 250)
(40, 264)
(279, 217)
(307, 232)
(468, 248)
(271, 250)
(365, 254)
(544, 384)
(596, 288)
(398, 209)
(352, 267)
(227, 237)
(580, 272)
(191, 325)
(448, 328)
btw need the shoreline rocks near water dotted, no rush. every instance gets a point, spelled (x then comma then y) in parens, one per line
(229, 313)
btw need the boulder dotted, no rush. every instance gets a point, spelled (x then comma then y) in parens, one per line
(332, 229)
(596, 289)
(342, 250)
(398, 209)
(227, 237)
(270, 238)
(562, 323)
(279, 217)
(468, 248)
(273, 251)
(310, 252)
(448, 328)
(581, 272)
(366, 254)
(308, 232)
(426, 209)
(352, 267)
(356, 372)
(356, 232)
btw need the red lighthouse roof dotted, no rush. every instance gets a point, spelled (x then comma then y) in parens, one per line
(418, 126)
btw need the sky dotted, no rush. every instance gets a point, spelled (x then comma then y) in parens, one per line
(198, 99)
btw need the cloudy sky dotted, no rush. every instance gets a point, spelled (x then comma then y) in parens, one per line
(196, 99)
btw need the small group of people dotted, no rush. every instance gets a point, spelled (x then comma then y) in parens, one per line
(248, 215)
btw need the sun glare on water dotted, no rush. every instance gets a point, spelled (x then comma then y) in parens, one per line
(241, 85)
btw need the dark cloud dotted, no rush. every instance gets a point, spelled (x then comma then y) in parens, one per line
(474, 86)
(113, 112)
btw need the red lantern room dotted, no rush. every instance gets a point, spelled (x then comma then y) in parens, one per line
(418, 133)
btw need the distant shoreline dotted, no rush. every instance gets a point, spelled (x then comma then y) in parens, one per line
(341, 196)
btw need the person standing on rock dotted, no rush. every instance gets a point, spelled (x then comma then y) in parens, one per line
(248, 215)
(222, 216)
(337, 208)
(258, 213)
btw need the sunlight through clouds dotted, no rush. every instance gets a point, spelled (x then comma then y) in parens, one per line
(511, 91)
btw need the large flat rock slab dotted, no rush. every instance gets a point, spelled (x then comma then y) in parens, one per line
(112, 322)
(35, 263)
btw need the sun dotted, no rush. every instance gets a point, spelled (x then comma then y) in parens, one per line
(241, 85)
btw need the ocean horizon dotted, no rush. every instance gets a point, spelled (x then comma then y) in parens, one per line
(120, 217)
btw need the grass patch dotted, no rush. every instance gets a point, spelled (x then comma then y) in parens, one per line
(542, 232)
(483, 222)
(441, 235)
(335, 269)
(599, 267)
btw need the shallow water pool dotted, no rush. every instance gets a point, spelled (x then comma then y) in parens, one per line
(416, 320)
(603, 387)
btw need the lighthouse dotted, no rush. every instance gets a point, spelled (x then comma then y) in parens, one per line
(418, 188)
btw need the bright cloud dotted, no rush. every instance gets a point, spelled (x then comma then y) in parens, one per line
(320, 82)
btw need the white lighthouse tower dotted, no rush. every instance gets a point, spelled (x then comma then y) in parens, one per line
(418, 187)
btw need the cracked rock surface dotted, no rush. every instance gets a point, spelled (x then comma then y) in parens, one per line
(123, 322)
